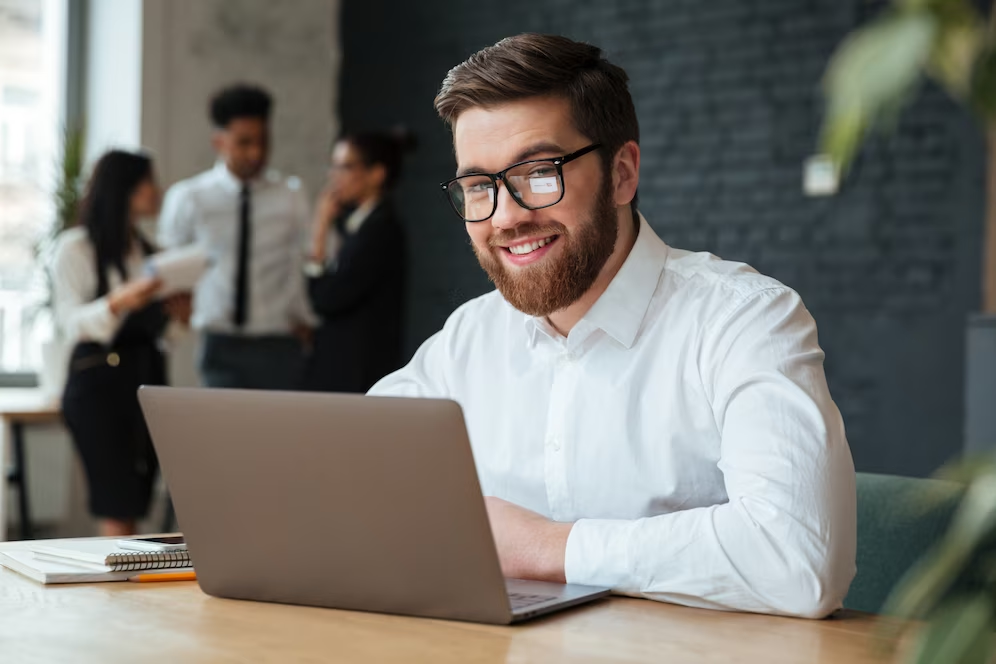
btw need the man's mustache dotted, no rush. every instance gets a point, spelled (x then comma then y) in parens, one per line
(510, 235)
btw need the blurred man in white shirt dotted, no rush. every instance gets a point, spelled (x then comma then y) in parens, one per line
(251, 305)
(642, 417)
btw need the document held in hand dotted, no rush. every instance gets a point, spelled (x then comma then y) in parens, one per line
(179, 269)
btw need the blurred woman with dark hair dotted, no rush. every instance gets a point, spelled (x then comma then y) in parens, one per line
(357, 268)
(109, 312)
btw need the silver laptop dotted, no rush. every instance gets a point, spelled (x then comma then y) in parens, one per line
(342, 501)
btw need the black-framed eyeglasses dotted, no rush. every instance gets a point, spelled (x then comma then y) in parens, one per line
(533, 184)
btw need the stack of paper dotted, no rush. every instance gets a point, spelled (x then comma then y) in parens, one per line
(179, 269)
(51, 571)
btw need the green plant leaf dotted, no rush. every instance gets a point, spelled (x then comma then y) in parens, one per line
(880, 62)
(924, 585)
(961, 36)
(842, 134)
(960, 632)
(982, 91)
(69, 174)
(967, 468)
(870, 76)
(976, 516)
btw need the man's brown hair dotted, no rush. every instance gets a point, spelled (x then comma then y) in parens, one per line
(534, 65)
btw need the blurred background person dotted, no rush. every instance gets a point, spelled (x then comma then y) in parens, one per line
(357, 265)
(110, 315)
(250, 305)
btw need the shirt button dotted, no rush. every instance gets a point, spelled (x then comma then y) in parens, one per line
(554, 443)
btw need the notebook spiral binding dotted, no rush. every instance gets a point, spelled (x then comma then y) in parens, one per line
(134, 562)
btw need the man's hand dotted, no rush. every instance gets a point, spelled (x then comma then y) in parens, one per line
(178, 307)
(530, 546)
(304, 334)
(133, 295)
(328, 206)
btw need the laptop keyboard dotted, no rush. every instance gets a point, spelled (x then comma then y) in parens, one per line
(522, 600)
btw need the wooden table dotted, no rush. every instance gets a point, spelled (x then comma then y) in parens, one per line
(19, 408)
(176, 622)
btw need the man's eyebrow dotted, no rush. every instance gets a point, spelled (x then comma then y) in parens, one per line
(534, 150)
(538, 149)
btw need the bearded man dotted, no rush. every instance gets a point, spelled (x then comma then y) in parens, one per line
(644, 418)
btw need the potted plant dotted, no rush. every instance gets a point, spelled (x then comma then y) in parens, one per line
(66, 194)
(871, 76)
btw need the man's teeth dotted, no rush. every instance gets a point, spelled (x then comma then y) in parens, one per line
(521, 249)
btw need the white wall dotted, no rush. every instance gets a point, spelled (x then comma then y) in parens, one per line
(152, 65)
(194, 47)
(114, 76)
(112, 112)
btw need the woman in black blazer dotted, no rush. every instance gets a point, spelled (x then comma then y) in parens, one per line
(111, 315)
(356, 275)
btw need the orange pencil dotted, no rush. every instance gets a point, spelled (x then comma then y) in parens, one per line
(166, 576)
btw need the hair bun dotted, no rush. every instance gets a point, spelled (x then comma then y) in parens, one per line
(404, 138)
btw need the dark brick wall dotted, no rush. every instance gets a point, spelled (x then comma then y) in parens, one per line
(729, 106)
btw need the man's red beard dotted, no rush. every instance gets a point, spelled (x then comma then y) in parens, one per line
(555, 283)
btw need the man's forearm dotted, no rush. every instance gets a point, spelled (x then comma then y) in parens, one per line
(550, 564)
(746, 555)
(529, 545)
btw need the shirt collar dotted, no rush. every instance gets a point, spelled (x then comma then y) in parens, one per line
(620, 310)
(359, 215)
(232, 183)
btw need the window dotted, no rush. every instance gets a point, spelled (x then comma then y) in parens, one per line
(32, 102)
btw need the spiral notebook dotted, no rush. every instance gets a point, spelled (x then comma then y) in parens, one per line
(52, 571)
(102, 555)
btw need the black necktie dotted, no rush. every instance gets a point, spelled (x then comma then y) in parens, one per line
(242, 273)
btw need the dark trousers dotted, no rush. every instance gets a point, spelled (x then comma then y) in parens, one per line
(252, 363)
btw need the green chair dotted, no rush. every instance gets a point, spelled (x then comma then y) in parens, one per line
(899, 518)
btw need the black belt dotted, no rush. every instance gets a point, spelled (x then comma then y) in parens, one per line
(90, 355)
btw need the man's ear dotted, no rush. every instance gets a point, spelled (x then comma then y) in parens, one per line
(379, 174)
(625, 173)
(218, 140)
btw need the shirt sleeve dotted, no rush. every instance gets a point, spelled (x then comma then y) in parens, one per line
(80, 316)
(301, 311)
(176, 220)
(785, 541)
(425, 375)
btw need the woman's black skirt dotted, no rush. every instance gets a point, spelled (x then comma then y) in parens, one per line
(101, 411)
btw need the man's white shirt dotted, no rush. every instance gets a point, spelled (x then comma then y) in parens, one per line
(684, 424)
(205, 210)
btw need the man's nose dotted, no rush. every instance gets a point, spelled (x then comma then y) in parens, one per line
(508, 213)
